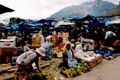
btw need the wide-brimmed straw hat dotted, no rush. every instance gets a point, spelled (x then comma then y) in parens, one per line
(41, 51)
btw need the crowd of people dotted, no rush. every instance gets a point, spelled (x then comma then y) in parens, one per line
(86, 44)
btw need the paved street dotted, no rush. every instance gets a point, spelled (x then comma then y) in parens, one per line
(107, 70)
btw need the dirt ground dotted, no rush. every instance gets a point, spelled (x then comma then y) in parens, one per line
(107, 70)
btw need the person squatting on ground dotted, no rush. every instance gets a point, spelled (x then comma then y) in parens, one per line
(27, 59)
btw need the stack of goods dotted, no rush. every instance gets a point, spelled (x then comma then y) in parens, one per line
(88, 57)
(94, 62)
(36, 40)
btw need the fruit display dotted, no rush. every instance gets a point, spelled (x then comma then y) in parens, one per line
(53, 71)
(85, 67)
(72, 72)
(38, 75)
(75, 71)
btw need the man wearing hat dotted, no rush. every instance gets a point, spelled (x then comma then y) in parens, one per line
(25, 60)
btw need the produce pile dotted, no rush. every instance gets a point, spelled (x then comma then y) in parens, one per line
(36, 75)
(54, 72)
(51, 72)
(75, 71)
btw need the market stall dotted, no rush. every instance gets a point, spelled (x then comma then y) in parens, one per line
(7, 49)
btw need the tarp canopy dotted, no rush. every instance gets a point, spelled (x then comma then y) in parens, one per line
(2, 28)
(15, 26)
(105, 19)
(45, 21)
(64, 23)
(90, 21)
(88, 17)
(8, 27)
(4, 9)
(31, 26)
(113, 22)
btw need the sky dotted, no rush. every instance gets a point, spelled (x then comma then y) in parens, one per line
(38, 9)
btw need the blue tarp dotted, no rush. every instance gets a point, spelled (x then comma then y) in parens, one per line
(8, 28)
(32, 26)
(45, 21)
(15, 26)
(105, 19)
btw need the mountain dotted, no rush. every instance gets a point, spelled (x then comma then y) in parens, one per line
(117, 10)
(96, 8)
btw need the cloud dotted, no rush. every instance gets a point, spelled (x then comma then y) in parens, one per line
(37, 9)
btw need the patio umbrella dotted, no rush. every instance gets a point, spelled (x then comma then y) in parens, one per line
(4, 9)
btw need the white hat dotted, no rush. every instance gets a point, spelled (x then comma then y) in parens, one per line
(41, 51)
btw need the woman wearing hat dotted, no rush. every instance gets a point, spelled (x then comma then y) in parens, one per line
(25, 60)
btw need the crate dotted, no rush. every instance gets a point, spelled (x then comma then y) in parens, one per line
(100, 59)
(93, 63)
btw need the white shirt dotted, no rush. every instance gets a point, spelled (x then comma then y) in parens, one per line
(78, 47)
(69, 54)
(109, 33)
(26, 57)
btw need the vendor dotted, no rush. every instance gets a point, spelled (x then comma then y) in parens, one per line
(48, 49)
(109, 38)
(106, 52)
(68, 56)
(26, 60)
(116, 45)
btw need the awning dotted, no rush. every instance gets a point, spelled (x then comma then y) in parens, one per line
(4, 9)
(113, 22)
